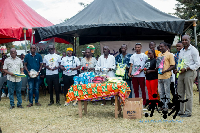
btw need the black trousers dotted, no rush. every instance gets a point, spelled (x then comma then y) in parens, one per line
(53, 80)
(68, 81)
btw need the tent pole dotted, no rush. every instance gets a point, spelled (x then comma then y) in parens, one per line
(25, 39)
(32, 37)
(75, 46)
(195, 38)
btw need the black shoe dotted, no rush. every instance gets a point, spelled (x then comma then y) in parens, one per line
(186, 115)
(58, 103)
(12, 107)
(50, 103)
(20, 106)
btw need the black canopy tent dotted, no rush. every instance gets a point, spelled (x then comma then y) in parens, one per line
(112, 20)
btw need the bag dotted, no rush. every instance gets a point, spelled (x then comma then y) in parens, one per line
(120, 69)
(160, 64)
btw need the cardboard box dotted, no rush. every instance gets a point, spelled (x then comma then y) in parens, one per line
(133, 108)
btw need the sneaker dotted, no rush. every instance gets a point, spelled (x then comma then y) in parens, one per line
(3, 95)
(66, 104)
(8, 95)
(102, 104)
(75, 103)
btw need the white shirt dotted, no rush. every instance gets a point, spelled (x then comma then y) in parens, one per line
(139, 59)
(190, 57)
(70, 62)
(52, 60)
(13, 66)
(106, 63)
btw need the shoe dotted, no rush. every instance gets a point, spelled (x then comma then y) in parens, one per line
(12, 107)
(186, 115)
(74, 104)
(38, 104)
(20, 106)
(8, 95)
(113, 104)
(51, 103)
(58, 103)
(66, 104)
(160, 109)
(29, 105)
(179, 114)
(102, 104)
(3, 95)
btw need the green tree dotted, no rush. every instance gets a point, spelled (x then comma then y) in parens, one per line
(189, 9)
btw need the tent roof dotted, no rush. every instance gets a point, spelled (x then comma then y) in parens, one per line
(16, 15)
(102, 18)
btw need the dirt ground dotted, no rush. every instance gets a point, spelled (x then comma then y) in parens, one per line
(60, 119)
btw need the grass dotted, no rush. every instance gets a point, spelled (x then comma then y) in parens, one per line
(60, 119)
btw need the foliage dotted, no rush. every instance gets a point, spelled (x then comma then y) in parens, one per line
(189, 9)
(8, 46)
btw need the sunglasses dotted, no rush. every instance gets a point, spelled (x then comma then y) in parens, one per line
(50, 48)
(32, 48)
(138, 43)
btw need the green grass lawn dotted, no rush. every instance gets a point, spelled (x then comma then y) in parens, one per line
(56, 119)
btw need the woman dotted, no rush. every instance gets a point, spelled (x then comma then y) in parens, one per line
(151, 75)
(69, 64)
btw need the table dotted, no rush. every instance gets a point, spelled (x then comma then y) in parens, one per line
(97, 91)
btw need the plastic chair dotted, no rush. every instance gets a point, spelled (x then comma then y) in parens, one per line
(2, 81)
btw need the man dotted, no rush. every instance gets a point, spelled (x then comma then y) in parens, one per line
(172, 88)
(138, 60)
(190, 55)
(88, 63)
(106, 61)
(152, 46)
(33, 61)
(13, 65)
(164, 79)
(124, 58)
(51, 62)
(179, 46)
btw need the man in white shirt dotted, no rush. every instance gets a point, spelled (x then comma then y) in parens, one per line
(190, 55)
(137, 60)
(106, 61)
(51, 62)
(13, 65)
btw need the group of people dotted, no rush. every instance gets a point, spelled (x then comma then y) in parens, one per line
(156, 83)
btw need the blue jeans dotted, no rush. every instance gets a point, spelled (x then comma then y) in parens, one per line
(15, 86)
(34, 83)
(129, 84)
(164, 91)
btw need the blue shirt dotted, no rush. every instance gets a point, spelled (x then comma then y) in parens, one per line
(119, 59)
(33, 62)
